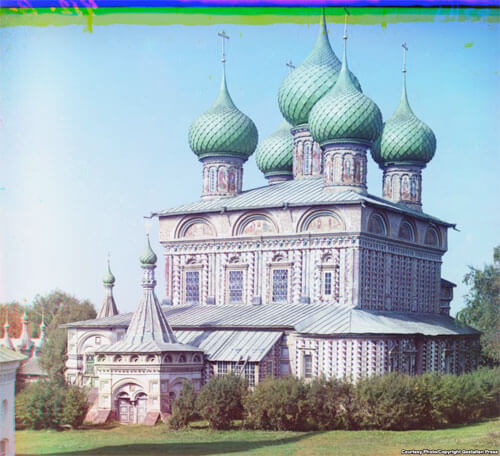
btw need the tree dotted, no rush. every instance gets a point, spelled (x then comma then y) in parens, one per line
(184, 409)
(15, 312)
(58, 308)
(482, 306)
(220, 401)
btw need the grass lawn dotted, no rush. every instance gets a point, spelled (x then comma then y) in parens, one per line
(159, 440)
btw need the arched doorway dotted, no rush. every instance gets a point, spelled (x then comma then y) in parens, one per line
(131, 404)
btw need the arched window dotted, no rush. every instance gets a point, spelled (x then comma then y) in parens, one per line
(196, 359)
(431, 237)
(182, 359)
(134, 359)
(117, 359)
(167, 359)
(406, 231)
(151, 359)
(101, 358)
(376, 225)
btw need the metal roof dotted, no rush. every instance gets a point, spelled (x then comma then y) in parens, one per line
(304, 318)
(295, 192)
(358, 321)
(231, 345)
(32, 367)
(7, 355)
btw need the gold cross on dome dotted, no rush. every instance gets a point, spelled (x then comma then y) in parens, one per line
(405, 49)
(224, 37)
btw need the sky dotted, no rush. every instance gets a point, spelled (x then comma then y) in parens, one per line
(93, 134)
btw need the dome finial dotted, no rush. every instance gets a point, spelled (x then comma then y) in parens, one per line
(404, 106)
(290, 66)
(148, 258)
(108, 279)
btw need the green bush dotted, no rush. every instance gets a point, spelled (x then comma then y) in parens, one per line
(47, 404)
(184, 409)
(279, 405)
(396, 401)
(330, 404)
(220, 401)
(469, 397)
(40, 405)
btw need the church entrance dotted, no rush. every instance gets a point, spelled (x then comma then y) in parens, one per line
(131, 409)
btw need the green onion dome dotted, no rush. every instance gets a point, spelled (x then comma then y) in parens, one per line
(345, 113)
(109, 278)
(405, 139)
(148, 257)
(274, 154)
(310, 81)
(223, 130)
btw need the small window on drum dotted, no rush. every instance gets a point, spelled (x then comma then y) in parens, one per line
(196, 359)
(182, 359)
(167, 359)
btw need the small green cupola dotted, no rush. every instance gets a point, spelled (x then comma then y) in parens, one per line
(274, 155)
(345, 123)
(148, 257)
(223, 130)
(405, 138)
(108, 306)
(223, 138)
(109, 279)
(311, 80)
(345, 113)
(404, 148)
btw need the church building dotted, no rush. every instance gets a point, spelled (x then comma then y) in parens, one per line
(309, 275)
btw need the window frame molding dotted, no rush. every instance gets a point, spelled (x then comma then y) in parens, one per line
(194, 267)
(273, 265)
(235, 267)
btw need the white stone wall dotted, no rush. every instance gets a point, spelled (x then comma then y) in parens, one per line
(372, 270)
(82, 342)
(146, 373)
(357, 357)
(7, 407)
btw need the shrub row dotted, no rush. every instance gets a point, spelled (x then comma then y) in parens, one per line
(391, 402)
(50, 404)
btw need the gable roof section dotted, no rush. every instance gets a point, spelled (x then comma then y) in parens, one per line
(305, 319)
(295, 192)
(231, 345)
